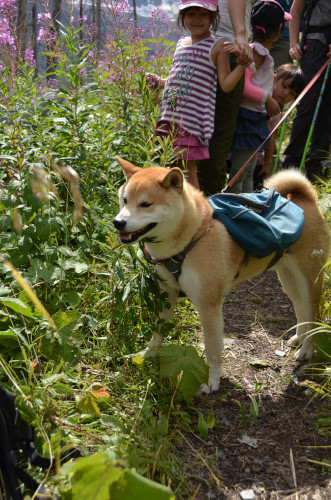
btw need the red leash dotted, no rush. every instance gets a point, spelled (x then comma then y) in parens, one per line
(298, 99)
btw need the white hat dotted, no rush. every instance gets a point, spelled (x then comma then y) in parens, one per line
(205, 4)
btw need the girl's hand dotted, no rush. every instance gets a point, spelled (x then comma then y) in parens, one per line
(272, 106)
(154, 81)
(231, 47)
(246, 51)
(296, 52)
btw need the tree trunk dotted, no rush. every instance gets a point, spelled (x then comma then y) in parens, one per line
(98, 23)
(134, 5)
(34, 33)
(21, 29)
(56, 15)
(54, 29)
(81, 19)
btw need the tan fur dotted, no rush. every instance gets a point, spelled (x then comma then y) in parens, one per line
(172, 212)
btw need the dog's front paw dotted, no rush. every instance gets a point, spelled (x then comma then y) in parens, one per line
(294, 341)
(305, 352)
(205, 389)
(213, 385)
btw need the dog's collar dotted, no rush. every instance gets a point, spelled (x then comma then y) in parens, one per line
(174, 263)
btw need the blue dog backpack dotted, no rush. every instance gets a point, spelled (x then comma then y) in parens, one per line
(262, 223)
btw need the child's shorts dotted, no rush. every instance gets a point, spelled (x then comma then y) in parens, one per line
(251, 130)
(185, 145)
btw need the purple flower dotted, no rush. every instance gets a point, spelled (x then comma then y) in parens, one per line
(29, 57)
(5, 34)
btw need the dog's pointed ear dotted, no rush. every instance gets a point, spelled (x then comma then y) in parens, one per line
(127, 167)
(174, 179)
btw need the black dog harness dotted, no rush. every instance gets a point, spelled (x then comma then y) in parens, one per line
(174, 263)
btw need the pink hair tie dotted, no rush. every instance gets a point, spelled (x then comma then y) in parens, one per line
(260, 28)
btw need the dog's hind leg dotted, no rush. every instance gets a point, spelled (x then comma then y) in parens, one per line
(304, 290)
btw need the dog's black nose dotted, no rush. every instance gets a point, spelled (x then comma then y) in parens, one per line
(119, 223)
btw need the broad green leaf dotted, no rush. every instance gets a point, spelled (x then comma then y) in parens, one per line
(17, 306)
(176, 359)
(24, 244)
(87, 404)
(322, 343)
(65, 319)
(62, 389)
(41, 271)
(45, 227)
(133, 486)
(72, 297)
(66, 341)
(79, 267)
(93, 476)
(58, 347)
(8, 339)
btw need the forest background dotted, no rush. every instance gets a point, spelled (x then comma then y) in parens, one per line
(75, 305)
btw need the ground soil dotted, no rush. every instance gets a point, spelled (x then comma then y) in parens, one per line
(272, 456)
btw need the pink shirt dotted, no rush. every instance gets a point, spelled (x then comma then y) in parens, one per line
(263, 77)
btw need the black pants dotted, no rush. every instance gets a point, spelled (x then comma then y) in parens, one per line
(312, 60)
(212, 172)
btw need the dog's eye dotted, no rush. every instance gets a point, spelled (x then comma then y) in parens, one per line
(125, 201)
(145, 204)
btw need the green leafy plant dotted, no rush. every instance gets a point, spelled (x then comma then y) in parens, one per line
(100, 476)
(184, 362)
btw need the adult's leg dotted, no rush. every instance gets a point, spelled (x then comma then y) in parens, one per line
(279, 51)
(313, 58)
(212, 172)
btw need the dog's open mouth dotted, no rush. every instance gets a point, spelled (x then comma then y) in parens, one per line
(128, 238)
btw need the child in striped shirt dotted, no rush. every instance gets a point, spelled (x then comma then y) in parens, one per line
(188, 100)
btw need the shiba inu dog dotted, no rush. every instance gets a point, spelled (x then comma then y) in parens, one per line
(176, 222)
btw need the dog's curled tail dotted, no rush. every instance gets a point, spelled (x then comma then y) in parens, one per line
(292, 184)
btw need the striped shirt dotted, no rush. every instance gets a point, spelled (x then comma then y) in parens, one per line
(190, 92)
